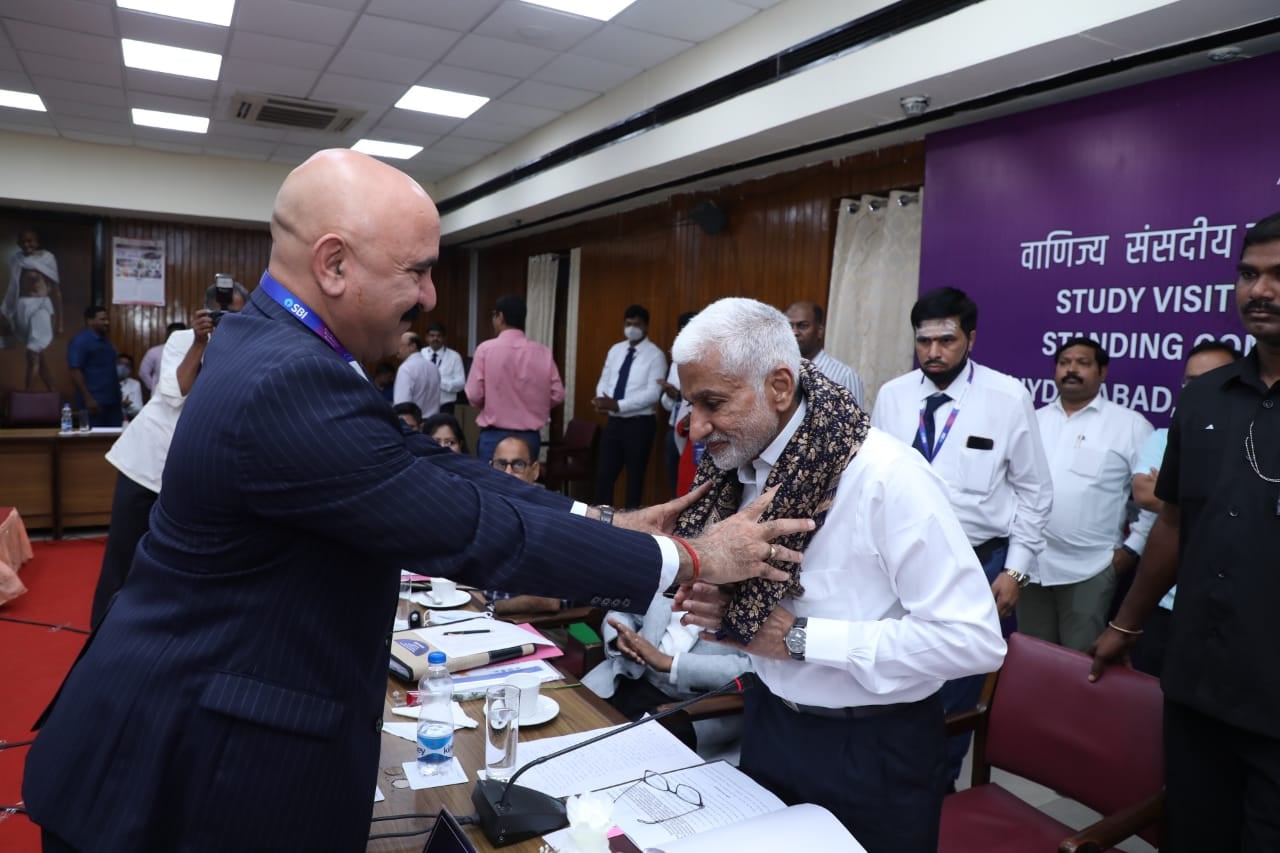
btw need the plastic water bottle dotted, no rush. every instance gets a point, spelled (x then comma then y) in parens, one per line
(66, 417)
(435, 717)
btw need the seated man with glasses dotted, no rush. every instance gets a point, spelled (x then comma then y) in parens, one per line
(512, 456)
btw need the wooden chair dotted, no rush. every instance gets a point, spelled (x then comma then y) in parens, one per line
(1098, 743)
(573, 458)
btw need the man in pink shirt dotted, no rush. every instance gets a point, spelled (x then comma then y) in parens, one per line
(514, 382)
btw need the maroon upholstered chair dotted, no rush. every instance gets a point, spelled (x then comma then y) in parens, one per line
(30, 409)
(573, 458)
(1098, 743)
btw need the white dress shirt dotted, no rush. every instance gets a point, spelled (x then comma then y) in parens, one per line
(149, 369)
(453, 376)
(643, 390)
(140, 451)
(1092, 454)
(1002, 491)
(418, 381)
(840, 373)
(896, 600)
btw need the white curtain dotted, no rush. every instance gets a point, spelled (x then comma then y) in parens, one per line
(569, 370)
(875, 279)
(540, 322)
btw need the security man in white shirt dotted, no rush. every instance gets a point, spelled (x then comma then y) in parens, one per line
(894, 603)
(1093, 446)
(453, 374)
(977, 428)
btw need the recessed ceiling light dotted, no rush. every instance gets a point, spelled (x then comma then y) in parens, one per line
(21, 100)
(601, 10)
(171, 60)
(390, 150)
(204, 12)
(171, 121)
(440, 102)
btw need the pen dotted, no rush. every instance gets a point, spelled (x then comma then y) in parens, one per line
(456, 633)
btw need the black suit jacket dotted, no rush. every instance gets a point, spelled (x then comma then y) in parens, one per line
(232, 698)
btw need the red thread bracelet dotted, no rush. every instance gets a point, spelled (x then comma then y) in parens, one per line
(693, 555)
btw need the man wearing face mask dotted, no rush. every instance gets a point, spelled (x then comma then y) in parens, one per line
(1093, 446)
(140, 451)
(977, 429)
(628, 389)
(130, 388)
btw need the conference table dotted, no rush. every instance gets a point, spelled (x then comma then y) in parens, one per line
(580, 710)
(58, 480)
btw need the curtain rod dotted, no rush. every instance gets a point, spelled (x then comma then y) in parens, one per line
(877, 203)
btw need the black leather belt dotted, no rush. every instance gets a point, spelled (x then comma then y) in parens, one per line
(860, 712)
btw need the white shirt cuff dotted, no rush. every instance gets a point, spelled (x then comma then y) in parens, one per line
(826, 641)
(670, 563)
(1020, 559)
(578, 508)
(675, 666)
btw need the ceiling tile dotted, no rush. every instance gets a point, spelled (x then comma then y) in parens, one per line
(681, 19)
(404, 136)
(415, 122)
(583, 72)
(559, 98)
(456, 159)
(87, 109)
(161, 30)
(401, 38)
(156, 83)
(249, 77)
(93, 125)
(500, 57)
(449, 14)
(97, 138)
(478, 128)
(222, 126)
(453, 142)
(353, 91)
(59, 67)
(259, 151)
(59, 42)
(169, 141)
(523, 23)
(318, 139)
(294, 153)
(88, 17)
(166, 103)
(616, 43)
(291, 19)
(17, 81)
(351, 5)
(29, 122)
(373, 65)
(73, 91)
(278, 51)
(469, 81)
(9, 60)
(516, 114)
(759, 4)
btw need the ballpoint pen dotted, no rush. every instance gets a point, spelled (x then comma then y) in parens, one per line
(456, 633)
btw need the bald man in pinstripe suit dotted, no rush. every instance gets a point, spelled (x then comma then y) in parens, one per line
(231, 699)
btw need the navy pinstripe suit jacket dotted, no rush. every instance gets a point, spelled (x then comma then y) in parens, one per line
(232, 698)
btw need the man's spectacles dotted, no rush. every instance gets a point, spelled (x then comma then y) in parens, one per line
(655, 780)
(517, 465)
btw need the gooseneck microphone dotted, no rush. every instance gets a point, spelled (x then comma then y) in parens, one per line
(509, 813)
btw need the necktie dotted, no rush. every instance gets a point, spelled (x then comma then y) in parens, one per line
(931, 406)
(433, 357)
(620, 387)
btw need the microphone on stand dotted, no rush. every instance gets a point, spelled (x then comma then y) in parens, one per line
(508, 813)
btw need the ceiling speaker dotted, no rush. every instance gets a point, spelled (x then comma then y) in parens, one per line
(710, 217)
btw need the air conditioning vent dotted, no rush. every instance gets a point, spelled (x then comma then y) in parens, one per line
(276, 111)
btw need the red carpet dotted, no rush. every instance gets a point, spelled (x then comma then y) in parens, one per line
(60, 579)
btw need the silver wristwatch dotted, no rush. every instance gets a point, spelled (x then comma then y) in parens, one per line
(795, 637)
(1018, 577)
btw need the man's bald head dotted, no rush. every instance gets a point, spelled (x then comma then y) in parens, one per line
(356, 239)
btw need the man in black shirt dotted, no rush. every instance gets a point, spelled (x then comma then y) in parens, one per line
(1218, 536)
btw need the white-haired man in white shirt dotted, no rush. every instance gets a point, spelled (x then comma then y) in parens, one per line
(891, 601)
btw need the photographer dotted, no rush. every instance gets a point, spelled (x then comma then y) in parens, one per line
(140, 452)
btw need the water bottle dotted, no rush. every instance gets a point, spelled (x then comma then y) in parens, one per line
(66, 417)
(435, 717)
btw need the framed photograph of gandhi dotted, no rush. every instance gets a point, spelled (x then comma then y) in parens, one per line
(45, 280)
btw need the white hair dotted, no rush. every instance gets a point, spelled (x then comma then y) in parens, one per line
(753, 339)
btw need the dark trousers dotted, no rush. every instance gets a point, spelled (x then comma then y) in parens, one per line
(1222, 785)
(626, 443)
(881, 776)
(130, 518)
(635, 697)
(961, 694)
(491, 437)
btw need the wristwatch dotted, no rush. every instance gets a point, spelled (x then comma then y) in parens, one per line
(795, 636)
(1018, 577)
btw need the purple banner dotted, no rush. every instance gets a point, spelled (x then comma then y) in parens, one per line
(1118, 216)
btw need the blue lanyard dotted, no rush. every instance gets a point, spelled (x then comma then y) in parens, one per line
(946, 429)
(309, 318)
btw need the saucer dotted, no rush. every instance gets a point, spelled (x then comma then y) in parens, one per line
(459, 598)
(548, 709)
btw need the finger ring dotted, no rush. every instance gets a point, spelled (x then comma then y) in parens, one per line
(773, 550)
